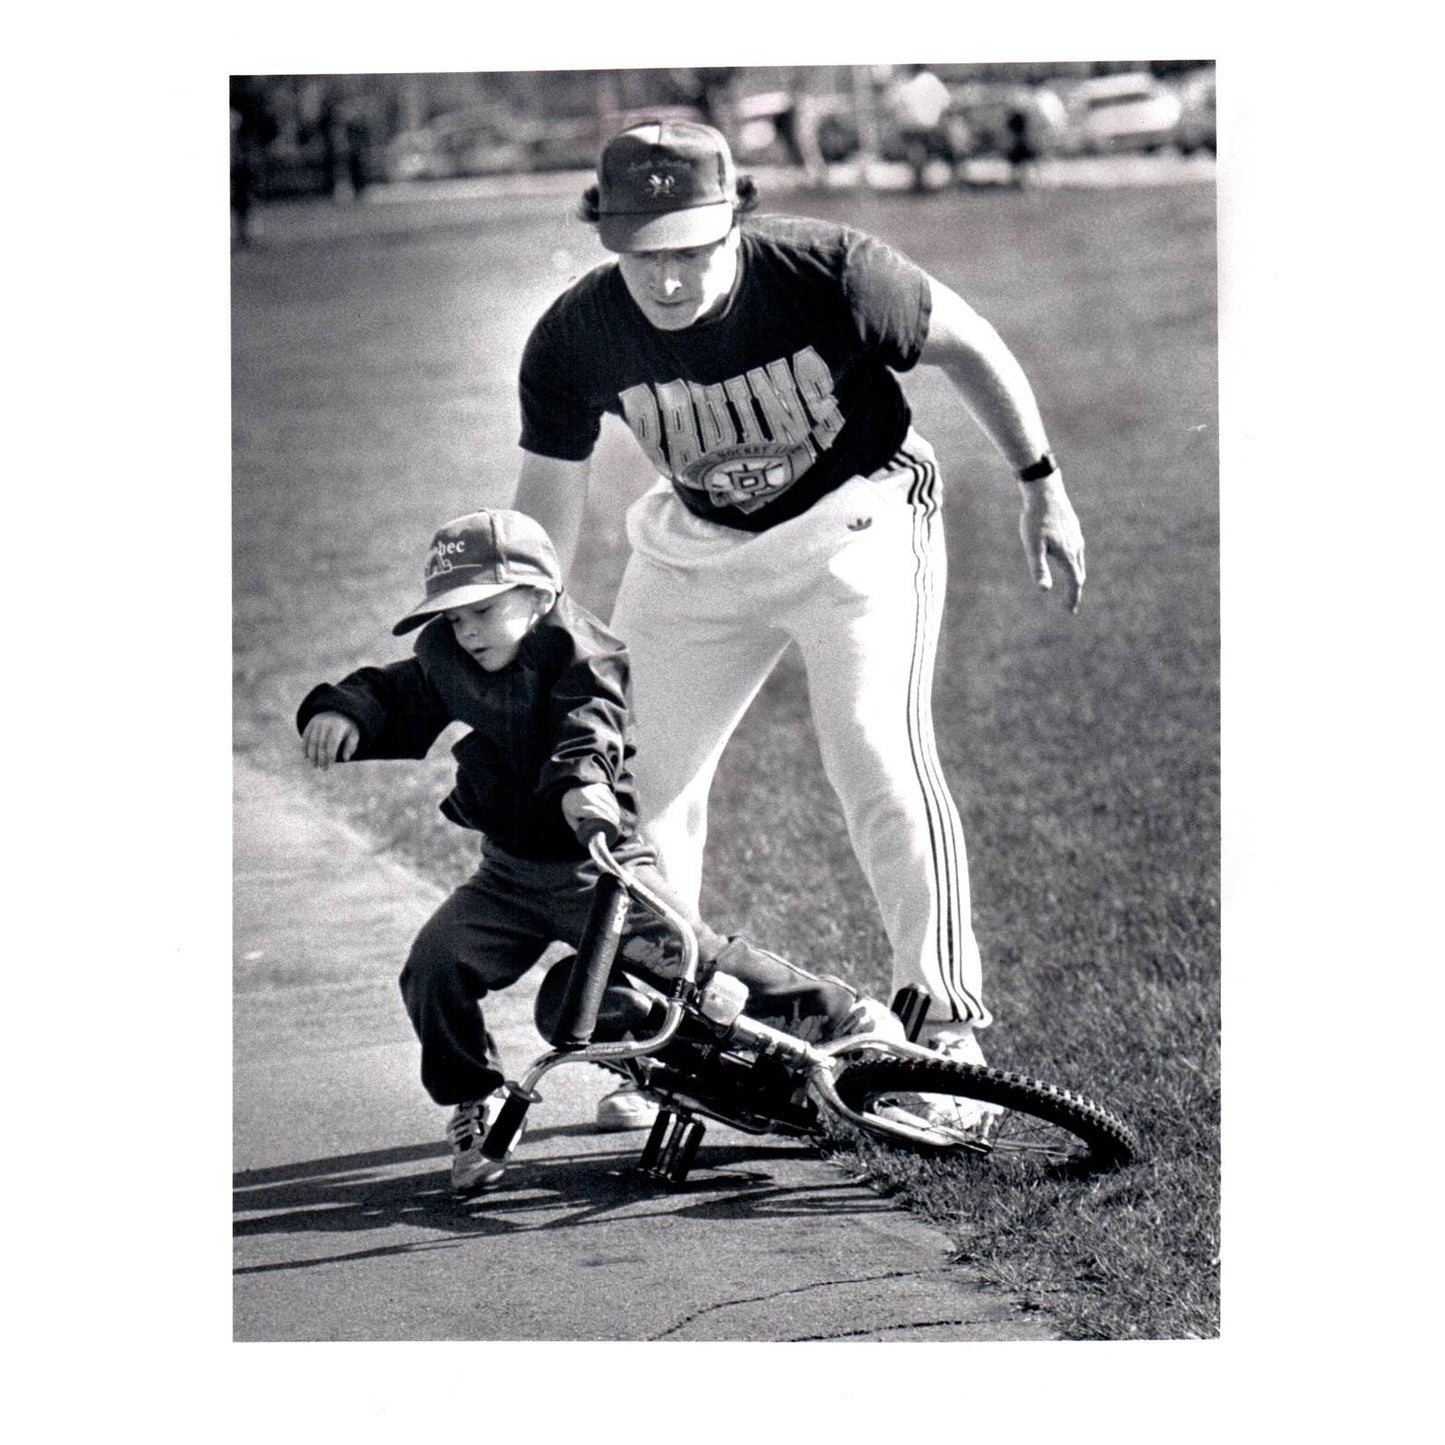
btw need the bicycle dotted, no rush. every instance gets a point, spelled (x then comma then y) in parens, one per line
(698, 1055)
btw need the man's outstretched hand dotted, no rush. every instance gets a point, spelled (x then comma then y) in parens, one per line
(1050, 528)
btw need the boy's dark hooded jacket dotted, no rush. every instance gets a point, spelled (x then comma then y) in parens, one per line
(554, 719)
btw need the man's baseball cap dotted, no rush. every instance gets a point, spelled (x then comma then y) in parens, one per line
(665, 185)
(479, 555)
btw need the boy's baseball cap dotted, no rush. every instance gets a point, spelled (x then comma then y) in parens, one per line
(479, 555)
(664, 185)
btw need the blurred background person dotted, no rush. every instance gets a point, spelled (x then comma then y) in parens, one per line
(709, 90)
(1021, 152)
(918, 103)
(252, 130)
(801, 134)
(243, 185)
(346, 130)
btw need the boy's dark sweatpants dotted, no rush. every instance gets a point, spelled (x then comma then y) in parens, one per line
(495, 926)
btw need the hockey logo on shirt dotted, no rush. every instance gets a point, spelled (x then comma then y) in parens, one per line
(743, 441)
(748, 475)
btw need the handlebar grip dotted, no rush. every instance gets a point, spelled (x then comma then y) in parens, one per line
(592, 967)
(590, 828)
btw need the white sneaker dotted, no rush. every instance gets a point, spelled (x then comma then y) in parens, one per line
(960, 1045)
(948, 1111)
(868, 1016)
(473, 1171)
(625, 1108)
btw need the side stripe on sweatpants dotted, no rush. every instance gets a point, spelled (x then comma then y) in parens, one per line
(944, 835)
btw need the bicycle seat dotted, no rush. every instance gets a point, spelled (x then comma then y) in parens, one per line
(627, 1009)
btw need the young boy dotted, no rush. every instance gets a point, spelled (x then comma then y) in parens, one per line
(543, 685)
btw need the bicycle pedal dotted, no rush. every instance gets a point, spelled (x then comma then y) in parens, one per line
(671, 1146)
(911, 1005)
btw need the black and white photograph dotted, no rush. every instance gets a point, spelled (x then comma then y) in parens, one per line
(776, 646)
(727, 703)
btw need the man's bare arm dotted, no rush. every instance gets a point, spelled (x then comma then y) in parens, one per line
(992, 384)
(554, 493)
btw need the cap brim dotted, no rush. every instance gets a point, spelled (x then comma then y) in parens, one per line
(666, 230)
(445, 601)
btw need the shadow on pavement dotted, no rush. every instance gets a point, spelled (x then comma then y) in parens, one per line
(375, 1190)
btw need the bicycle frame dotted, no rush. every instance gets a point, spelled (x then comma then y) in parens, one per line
(817, 1064)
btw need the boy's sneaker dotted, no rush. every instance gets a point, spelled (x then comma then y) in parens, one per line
(473, 1171)
(625, 1108)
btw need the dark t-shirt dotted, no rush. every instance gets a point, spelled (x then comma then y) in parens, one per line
(759, 410)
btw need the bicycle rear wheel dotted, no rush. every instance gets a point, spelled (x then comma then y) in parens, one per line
(1040, 1124)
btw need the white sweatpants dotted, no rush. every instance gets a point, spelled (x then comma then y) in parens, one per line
(858, 581)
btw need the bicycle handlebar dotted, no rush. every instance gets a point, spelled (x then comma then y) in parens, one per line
(601, 938)
(592, 966)
(601, 852)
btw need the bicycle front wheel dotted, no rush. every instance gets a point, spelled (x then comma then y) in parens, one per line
(1029, 1121)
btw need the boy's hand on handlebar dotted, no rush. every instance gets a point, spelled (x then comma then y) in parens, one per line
(591, 809)
(330, 737)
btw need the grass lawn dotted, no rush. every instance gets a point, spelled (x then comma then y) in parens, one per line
(374, 396)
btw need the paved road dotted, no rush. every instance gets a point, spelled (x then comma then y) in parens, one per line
(344, 1228)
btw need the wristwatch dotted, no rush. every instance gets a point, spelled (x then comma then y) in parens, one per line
(1046, 466)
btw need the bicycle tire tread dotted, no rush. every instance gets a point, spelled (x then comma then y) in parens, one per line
(1109, 1138)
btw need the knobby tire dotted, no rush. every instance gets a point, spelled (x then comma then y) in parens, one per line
(1043, 1122)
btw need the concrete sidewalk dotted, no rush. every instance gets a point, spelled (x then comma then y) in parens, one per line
(344, 1225)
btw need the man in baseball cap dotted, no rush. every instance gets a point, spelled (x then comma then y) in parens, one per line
(665, 185)
(667, 201)
(757, 361)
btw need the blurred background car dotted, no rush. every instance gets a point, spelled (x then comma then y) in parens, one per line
(994, 117)
(983, 120)
(495, 140)
(1196, 119)
(1130, 111)
(339, 135)
(478, 141)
